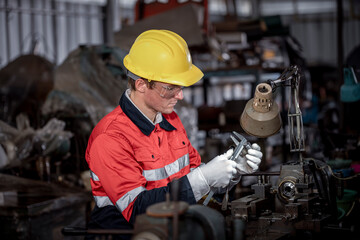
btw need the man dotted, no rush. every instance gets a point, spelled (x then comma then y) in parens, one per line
(136, 151)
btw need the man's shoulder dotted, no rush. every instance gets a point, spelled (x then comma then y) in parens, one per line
(112, 121)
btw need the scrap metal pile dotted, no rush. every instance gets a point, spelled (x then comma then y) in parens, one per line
(48, 113)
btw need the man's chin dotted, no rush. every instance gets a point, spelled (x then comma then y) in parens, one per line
(168, 110)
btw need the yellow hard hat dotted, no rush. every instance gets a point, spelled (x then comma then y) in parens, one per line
(163, 56)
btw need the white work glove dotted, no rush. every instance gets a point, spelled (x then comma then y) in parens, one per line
(219, 170)
(216, 174)
(250, 163)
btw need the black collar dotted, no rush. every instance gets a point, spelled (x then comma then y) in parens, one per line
(145, 126)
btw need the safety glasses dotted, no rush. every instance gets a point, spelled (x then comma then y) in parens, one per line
(167, 91)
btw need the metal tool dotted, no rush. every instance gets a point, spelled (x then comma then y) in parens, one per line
(241, 144)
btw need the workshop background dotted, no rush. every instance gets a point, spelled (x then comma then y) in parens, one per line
(61, 71)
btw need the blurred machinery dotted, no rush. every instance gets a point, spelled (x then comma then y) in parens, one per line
(303, 199)
(302, 203)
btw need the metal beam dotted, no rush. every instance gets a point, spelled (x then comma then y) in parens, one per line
(108, 23)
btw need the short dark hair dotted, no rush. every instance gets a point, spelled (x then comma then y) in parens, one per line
(131, 83)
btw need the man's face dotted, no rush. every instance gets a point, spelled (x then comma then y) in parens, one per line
(163, 97)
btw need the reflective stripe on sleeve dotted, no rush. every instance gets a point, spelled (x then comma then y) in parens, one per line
(125, 200)
(168, 170)
(93, 176)
(122, 203)
(102, 201)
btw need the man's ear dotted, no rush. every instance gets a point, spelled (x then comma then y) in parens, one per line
(140, 85)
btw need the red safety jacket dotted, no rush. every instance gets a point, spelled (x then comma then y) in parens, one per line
(132, 161)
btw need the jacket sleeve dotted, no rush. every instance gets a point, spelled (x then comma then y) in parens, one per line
(112, 160)
(156, 195)
(194, 156)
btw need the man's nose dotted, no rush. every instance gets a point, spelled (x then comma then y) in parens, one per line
(179, 95)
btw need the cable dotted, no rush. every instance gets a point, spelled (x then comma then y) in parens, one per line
(332, 173)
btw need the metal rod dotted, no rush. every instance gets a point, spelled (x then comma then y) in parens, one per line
(340, 53)
(68, 27)
(283, 107)
(108, 23)
(20, 28)
(76, 231)
(175, 198)
(88, 26)
(110, 231)
(44, 25)
(77, 24)
(260, 173)
(7, 32)
(32, 28)
(54, 27)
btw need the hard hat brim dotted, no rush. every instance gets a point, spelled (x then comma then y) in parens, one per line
(186, 79)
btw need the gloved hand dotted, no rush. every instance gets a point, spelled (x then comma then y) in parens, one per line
(219, 170)
(250, 163)
(233, 181)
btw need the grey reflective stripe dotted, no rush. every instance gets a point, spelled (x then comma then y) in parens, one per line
(102, 201)
(93, 176)
(168, 170)
(125, 200)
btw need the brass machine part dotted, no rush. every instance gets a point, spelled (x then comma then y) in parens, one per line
(261, 117)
